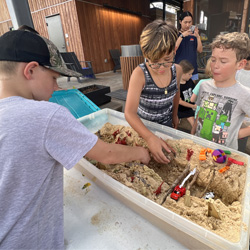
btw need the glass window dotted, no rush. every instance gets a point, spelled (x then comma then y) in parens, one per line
(220, 16)
(215, 17)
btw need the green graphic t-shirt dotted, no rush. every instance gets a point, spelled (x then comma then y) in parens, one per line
(222, 111)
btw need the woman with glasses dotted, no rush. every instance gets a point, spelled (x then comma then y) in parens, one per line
(188, 42)
(153, 92)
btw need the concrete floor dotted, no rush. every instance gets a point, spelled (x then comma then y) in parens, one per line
(114, 80)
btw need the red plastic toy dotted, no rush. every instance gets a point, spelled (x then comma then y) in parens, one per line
(178, 192)
(189, 154)
(121, 141)
(158, 190)
(236, 162)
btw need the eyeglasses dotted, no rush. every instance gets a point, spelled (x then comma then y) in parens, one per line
(158, 65)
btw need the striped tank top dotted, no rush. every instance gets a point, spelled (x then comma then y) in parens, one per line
(155, 104)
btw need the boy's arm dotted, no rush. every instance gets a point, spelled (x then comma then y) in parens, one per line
(193, 97)
(187, 104)
(244, 132)
(110, 153)
(193, 130)
(196, 91)
(198, 103)
(197, 88)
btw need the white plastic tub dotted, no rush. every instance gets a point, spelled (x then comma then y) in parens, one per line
(187, 232)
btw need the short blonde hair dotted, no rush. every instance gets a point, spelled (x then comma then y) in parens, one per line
(8, 67)
(239, 42)
(157, 39)
(208, 70)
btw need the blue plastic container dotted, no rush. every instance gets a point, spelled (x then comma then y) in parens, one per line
(78, 104)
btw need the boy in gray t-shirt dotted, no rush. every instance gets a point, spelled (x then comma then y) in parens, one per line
(38, 138)
(223, 101)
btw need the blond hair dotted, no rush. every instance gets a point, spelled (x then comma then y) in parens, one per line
(8, 67)
(208, 70)
(157, 39)
(239, 42)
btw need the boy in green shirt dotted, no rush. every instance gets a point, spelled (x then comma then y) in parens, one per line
(223, 101)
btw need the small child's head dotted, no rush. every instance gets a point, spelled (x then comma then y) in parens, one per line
(187, 69)
(158, 39)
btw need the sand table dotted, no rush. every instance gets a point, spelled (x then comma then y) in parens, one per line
(154, 180)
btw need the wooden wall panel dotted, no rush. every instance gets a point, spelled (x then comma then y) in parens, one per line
(4, 13)
(42, 4)
(5, 26)
(132, 5)
(41, 9)
(107, 29)
(232, 5)
(92, 29)
(244, 16)
(189, 6)
(5, 20)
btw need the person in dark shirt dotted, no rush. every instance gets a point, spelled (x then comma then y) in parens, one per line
(188, 42)
(186, 107)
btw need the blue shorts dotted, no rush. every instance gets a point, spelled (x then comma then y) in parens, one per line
(195, 77)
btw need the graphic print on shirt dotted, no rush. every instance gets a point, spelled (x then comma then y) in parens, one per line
(215, 115)
(187, 94)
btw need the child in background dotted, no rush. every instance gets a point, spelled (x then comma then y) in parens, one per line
(186, 107)
(153, 92)
(223, 101)
(243, 75)
(197, 87)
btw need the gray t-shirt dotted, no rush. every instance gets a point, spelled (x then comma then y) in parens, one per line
(222, 111)
(37, 139)
(243, 76)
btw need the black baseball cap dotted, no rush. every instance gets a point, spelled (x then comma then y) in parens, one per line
(26, 46)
